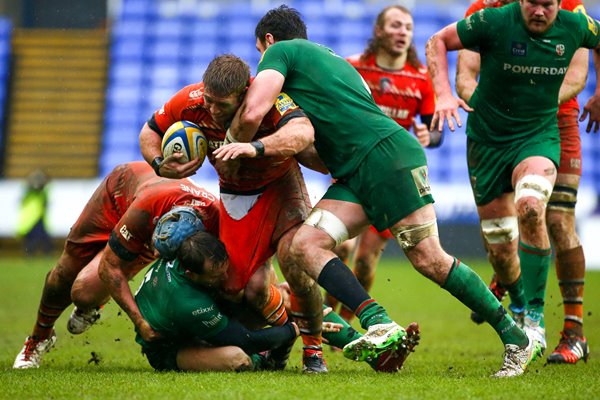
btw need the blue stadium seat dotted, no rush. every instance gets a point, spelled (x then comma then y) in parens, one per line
(5, 55)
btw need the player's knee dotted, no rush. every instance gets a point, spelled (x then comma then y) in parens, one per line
(409, 236)
(329, 223)
(532, 193)
(499, 231)
(238, 360)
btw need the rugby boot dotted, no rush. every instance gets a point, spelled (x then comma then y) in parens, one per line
(33, 351)
(533, 328)
(312, 360)
(378, 339)
(516, 359)
(393, 359)
(81, 320)
(570, 349)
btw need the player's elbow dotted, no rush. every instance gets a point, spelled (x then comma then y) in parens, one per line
(251, 116)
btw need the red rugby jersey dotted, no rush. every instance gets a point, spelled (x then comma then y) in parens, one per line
(140, 202)
(254, 173)
(401, 94)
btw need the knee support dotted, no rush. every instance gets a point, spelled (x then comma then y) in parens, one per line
(500, 230)
(563, 198)
(329, 223)
(533, 186)
(409, 236)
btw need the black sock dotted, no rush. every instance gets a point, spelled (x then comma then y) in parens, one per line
(340, 282)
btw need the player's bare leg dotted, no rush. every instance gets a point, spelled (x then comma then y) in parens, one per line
(200, 359)
(306, 305)
(418, 237)
(500, 232)
(533, 179)
(331, 222)
(570, 268)
(89, 293)
(56, 297)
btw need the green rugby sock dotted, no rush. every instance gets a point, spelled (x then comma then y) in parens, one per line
(535, 263)
(467, 286)
(371, 313)
(516, 291)
(346, 335)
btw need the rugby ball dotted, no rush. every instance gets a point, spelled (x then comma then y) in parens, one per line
(186, 138)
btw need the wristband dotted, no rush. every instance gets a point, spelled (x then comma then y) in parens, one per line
(156, 163)
(260, 148)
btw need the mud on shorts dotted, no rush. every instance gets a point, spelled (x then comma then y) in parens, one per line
(491, 168)
(391, 182)
(570, 141)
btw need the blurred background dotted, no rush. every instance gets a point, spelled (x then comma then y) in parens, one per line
(78, 79)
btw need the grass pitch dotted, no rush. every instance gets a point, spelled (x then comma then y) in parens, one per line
(454, 359)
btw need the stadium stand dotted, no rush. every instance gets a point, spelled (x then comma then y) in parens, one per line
(5, 53)
(159, 46)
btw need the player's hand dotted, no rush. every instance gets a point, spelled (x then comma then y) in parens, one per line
(172, 168)
(446, 108)
(146, 331)
(592, 109)
(227, 169)
(330, 327)
(421, 132)
(232, 151)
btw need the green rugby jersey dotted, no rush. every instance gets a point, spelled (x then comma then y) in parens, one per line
(348, 123)
(521, 73)
(174, 306)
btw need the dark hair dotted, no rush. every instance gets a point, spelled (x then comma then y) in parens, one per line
(283, 22)
(226, 75)
(198, 248)
(375, 43)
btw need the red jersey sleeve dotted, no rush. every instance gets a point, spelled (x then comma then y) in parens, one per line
(188, 98)
(133, 232)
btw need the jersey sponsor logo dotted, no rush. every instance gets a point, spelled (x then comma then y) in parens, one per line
(469, 21)
(394, 112)
(194, 94)
(518, 49)
(215, 144)
(284, 103)
(560, 49)
(421, 178)
(592, 25)
(125, 233)
(386, 86)
(535, 70)
(197, 192)
(214, 321)
(203, 310)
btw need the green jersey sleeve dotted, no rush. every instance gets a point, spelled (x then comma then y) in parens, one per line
(474, 31)
(590, 30)
(278, 57)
